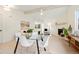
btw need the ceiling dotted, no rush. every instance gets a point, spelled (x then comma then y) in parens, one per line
(32, 8)
(29, 7)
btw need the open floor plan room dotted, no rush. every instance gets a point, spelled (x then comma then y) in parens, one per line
(39, 29)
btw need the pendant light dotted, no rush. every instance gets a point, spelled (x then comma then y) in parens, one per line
(41, 12)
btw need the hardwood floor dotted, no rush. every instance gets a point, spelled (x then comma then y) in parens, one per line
(57, 45)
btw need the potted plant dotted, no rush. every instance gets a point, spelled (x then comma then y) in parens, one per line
(29, 33)
(29, 30)
(65, 32)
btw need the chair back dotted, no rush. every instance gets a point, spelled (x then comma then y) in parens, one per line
(24, 41)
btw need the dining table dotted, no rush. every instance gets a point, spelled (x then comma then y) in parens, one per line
(35, 37)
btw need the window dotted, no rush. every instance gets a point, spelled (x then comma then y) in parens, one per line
(77, 20)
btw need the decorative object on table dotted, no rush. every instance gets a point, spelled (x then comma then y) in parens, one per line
(65, 32)
(46, 31)
(24, 32)
(70, 29)
(29, 33)
(29, 30)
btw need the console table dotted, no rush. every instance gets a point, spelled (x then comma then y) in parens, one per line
(74, 41)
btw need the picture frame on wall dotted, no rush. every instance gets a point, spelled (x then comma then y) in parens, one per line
(38, 26)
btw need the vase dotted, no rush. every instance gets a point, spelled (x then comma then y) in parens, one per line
(28, 35)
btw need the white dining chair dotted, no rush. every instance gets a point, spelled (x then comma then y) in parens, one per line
(23, 41)
(44, 43)
(26, 42)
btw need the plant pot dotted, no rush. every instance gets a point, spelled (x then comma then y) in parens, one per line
(28, 35)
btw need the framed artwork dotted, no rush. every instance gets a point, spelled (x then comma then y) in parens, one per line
(38, 26)
(24, 24)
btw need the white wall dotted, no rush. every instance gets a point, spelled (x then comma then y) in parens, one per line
(10, 23)
(50, 16)
(11, 20)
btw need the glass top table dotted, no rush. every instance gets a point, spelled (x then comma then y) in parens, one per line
(35, 37)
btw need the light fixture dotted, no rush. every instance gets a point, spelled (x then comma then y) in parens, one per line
(41, 12)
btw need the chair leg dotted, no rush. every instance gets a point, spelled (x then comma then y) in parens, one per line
(16, 46)
(41, 38)
(44, 49)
